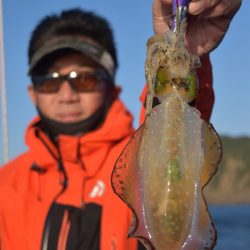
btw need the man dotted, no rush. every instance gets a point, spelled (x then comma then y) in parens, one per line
(58, 194)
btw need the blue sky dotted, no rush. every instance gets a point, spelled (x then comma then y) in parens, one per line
(132, 25)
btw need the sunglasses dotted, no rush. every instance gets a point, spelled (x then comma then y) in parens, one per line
(79, 81)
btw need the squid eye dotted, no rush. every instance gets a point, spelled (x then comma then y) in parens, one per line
(162, 79)
(191, 86)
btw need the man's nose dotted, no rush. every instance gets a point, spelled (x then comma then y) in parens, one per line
(66, 93)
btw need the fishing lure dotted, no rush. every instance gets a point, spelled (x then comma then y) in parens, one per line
(162, 171)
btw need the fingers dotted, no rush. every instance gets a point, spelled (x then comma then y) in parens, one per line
(214, 8)
(167, 2)
(163, 7)
(162, 10)
(197, 7)
(208, 21)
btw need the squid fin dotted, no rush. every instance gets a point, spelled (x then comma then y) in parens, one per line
(212, 152)
(126, 184)
(212, 157)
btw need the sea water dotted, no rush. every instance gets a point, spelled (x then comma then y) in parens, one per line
(233, 226)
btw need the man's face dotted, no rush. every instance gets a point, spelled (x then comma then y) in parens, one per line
(67, 105)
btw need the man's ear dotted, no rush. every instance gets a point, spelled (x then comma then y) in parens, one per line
(117, 90)
(114, 91)
(32, 94)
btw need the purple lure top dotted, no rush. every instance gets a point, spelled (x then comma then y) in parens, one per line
(177, 4)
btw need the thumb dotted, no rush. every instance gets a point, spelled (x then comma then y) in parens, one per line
(162, 12)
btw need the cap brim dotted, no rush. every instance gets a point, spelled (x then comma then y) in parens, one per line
(76, 43)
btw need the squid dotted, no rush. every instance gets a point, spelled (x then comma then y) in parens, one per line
(164, 168)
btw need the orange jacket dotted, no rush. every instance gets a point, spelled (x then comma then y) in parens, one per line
(26, 193)
(205, 98)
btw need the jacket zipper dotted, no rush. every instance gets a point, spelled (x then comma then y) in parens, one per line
(45, 239)
(64, 231)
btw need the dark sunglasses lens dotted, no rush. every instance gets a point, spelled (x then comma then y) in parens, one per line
(47, 85)
(84, 82)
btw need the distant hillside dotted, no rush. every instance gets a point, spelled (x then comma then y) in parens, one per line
(231, 184)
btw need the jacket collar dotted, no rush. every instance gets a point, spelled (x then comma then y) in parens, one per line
(91, 148)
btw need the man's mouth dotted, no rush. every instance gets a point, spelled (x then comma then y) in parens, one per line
(69, 116)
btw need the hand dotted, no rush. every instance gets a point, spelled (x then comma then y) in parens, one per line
(207, 23)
